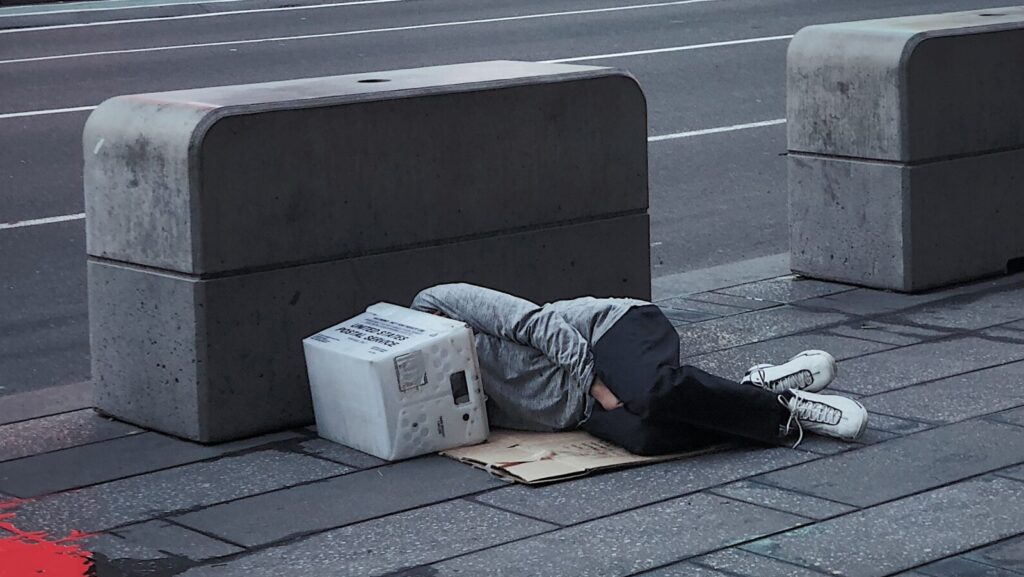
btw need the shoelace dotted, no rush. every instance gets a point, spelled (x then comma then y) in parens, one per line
(803, 409)
(797, 380)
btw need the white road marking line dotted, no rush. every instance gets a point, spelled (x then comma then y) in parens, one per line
(190, 16)
(574, 58)
(671, 49)
(717, 130)
(44, 112)
(39, 221)
(353, 32)
(67, 217)
(13, 12)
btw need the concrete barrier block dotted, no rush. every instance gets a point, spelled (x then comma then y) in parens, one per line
(908, 89)
(237, 178)
(905, 227)
(213, 359)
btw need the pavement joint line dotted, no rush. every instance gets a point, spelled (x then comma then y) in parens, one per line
(811, 520)
(4, 462)
(202, 532)
(927, 381)
(448, 24)
(58, 413)
(110, 5)
(521, 514)
(296, 537)
(857, 509)
(191, 16)
(674, 49)
(790, 563)
(213, 458)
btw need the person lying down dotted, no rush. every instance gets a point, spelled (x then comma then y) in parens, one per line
(610, 366)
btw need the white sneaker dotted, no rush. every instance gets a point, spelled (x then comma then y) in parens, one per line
(829, 415)
(809, 371)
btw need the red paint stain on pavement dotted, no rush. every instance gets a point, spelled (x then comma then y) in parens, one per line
(34, 554)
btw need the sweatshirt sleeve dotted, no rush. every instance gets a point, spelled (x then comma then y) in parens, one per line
(515, 319)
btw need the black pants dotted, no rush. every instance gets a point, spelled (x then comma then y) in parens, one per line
(668, 407)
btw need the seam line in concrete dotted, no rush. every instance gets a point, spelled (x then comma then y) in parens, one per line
(370, 253)
(356, 32)
(910, 163)
(192, 16)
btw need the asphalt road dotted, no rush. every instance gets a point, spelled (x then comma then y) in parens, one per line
(716, 197)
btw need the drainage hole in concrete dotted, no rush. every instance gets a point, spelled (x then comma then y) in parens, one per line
(369, 80)
(1015, 265)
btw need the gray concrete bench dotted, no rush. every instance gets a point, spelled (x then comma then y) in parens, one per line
(226, 224)
(906, 149)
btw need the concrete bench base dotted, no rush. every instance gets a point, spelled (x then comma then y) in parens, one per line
(226, 224)
(905, 138)
(878, 224)
(219, 359)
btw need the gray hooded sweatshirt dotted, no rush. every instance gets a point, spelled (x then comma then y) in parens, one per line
(535, 361)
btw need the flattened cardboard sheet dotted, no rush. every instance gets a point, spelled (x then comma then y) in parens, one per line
(536, 458)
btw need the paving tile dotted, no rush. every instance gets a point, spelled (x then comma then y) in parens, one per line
(100, 462)
(782, 500)
(153, 495)
(785, 289)
(629, 542)
(752, 327)
(888, 370)
(956, 398)
(743, 563)
(1013, 416)
(895, 425)
(889, 333)
(969, 312)
(963, 567)
(905, 533)
(867, 302)
(733, 363)
(45, 402)
(1008, 555)
(384, 545)
(733, 301)
(58, 432)
(336, 502)
(599, 495)
(906, 465)
(340, 453)
(176, 540)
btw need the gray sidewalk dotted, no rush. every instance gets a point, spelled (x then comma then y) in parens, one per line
(935, 487)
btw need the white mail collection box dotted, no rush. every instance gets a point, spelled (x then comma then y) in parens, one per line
(397, 383)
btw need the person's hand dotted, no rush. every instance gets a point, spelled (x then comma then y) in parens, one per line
(604, 395)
